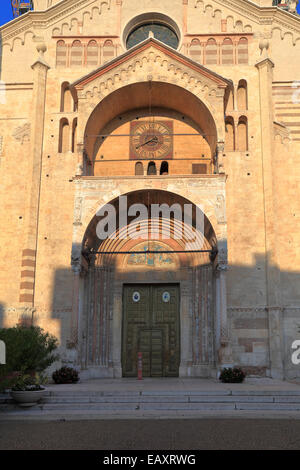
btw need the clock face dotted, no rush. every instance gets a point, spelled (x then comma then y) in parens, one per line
(151, 140)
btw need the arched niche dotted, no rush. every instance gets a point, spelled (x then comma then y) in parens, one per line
(151, 171)
(76, 54)
(211, 52)
(230, 135)
(242, 95)
(196, 50)
(92, 53)
(139, 169)
(227, 52)
(61, 54)
(164, 168)
(242, 51)
(242, 134)
(64, 136)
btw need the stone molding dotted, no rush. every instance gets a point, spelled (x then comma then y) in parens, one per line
(39, 21)
(262, 309)
(259, 15)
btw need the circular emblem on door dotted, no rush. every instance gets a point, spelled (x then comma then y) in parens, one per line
(136, 297)
(166, 297)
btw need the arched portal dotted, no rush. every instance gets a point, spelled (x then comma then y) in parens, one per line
(153, 105)
(149, 287)
(183, 126)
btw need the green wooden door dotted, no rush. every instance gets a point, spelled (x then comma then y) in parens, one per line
(151, 326)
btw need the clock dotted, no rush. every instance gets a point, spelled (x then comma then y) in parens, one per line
(150, 140)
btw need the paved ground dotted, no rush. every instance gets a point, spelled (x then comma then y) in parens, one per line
(208, 434)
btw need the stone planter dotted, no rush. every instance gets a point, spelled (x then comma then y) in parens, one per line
(27, 398)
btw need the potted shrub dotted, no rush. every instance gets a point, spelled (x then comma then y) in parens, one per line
(232, 375)
(65, 375)
(28, 390)
(29, 350)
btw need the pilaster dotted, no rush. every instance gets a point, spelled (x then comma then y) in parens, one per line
(28, 267)
(265, 70)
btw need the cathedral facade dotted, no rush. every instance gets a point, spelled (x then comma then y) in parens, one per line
(188, 107)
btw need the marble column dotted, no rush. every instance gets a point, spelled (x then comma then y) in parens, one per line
(73, 341)
(225, 358)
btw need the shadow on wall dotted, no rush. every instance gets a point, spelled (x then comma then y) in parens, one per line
(1, 315)
(251, 322)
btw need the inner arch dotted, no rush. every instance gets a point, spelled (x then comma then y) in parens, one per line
(204, 241)
(145, 95)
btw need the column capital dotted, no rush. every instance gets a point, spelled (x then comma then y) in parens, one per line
(222, 267)
(265, 62)
(76, 264)
(40, 63)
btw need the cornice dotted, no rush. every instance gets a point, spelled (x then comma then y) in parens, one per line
(262, 15)
(43, 19)
(220, 81)
(265, 61)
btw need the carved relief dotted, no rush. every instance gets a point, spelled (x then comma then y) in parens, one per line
(77, 211)
(22, 133)
(220, 209)
(163, 67)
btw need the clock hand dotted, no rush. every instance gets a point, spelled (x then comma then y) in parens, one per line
(154, 139)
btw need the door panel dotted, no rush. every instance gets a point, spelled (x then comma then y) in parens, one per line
(145, 349)
(166, 316)
(151, 346)
(151, 326)
(136, 315)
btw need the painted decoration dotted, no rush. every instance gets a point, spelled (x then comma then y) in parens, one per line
(136, 296)
(151, 259)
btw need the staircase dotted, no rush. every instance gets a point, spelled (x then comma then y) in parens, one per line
(63, 403)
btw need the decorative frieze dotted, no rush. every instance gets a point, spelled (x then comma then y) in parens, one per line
(22, 133)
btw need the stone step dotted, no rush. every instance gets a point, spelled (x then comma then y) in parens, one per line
(78, 394)
(158, 406)
(170, 393)
(173, 399)
(59, 401)
(148, 397)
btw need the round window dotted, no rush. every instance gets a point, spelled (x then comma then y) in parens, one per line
(161, 32)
